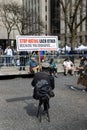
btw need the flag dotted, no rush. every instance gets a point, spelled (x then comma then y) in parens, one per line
(42, 55)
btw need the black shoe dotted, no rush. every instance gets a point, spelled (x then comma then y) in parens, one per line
(56, 76)
(86, 89)
(20, 69)
(71, 74)
(65, 74)
(24, 69)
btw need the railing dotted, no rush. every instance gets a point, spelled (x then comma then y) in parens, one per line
(13, 63)
(8, 61)
(12, 60)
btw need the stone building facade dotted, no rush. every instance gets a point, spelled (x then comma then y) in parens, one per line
(48, 13)
(81, 33)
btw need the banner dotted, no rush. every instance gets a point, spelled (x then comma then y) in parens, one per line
(36, 43)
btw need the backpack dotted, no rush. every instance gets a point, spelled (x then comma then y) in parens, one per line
(42, 90)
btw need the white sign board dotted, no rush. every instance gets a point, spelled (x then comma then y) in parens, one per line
(36, 43)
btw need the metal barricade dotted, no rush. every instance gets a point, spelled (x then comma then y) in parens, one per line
(13, 63)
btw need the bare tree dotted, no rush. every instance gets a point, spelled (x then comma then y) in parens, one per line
(34, 23)
(15, 15)
(23, 20)
(7, 18)
(71, 9)
(38, 27)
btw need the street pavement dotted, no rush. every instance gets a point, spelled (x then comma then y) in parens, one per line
(68, 109)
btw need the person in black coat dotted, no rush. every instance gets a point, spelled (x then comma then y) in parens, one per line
(23, 57)
(43, 75)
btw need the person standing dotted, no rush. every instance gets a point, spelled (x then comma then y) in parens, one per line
(23, 58)
(1, 58)
(8, 52)
(40, 76)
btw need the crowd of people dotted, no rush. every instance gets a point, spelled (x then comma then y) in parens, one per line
(10, 57)
(69, 66)
(24, 58)
(41, 80)
(44, 75)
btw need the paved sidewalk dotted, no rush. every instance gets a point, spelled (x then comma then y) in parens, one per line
(68, 109)
(14, 70)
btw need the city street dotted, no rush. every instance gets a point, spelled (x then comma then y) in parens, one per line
(68, 109)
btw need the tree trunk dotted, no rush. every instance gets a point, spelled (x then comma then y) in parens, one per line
(73, 37)
(8, 35)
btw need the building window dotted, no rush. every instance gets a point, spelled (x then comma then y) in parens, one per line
(86, 15)
(57, 4)
(46, 8)
(46, 17)
(46, 27)
(81, 39)
(86, 39)
(81, 16)
(81, 24)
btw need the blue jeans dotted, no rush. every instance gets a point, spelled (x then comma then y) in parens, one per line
(8, 61)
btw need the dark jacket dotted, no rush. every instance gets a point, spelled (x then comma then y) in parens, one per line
(43, 75)
(22, 53)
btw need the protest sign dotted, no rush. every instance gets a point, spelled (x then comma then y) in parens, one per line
(36, 43)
